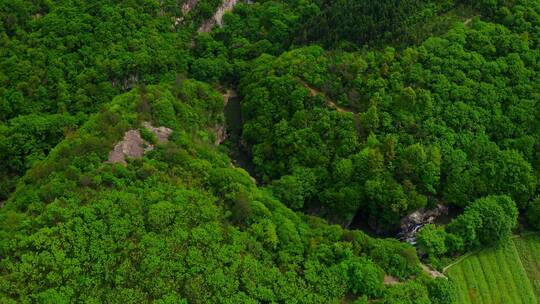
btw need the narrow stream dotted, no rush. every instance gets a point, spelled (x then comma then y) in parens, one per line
(241, 157)
(233, 124)
(409, 226)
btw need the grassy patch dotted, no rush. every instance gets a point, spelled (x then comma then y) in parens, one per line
(529, 254)
(507, 274)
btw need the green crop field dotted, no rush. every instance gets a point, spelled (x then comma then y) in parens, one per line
(529, 253)
(505, 275)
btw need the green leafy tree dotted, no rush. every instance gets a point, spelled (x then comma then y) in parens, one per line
(432, 240)
(487, 221)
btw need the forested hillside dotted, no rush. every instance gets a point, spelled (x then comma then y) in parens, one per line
(179, 225)
(121, 180)
(453, 119)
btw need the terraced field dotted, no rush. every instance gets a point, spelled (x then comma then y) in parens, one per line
(506, 275)
(529, 253)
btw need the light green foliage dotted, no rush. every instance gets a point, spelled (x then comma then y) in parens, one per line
(294, 189)
(380, 124)
(442, 290)
(410, 293)
(432, 240)
(179, 225)
(364, 277)
(528, 248)
(487, 221)
(429, 116)
(499, 275)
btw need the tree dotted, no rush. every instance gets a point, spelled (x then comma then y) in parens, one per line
(365, 278)
(410, 293)
(514, 176)
(487, 221)
(442, 291)
(432, 240)
(294, 189)
(533, 214)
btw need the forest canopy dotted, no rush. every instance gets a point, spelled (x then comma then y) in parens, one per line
(126, 178)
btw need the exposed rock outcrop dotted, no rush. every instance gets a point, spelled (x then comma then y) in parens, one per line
(221, 134)
(162, 133)
(414, 221)
(217, 19)
(220, 130)
(126, 83)
(186, 8)
(133, 145)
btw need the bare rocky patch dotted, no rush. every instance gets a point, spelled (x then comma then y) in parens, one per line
(162, 133)
(220, 130)
(390, 280)
(133, 145)
(217, 19)
(221, 134)
(411, 224)
(186, 8)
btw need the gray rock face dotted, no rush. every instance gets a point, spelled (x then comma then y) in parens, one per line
(414, 221)
(217, 19)
(134, 146)
(221, 134)
(162, 133)
(187, 6)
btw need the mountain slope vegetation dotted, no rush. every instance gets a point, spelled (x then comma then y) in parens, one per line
(351, 114)
(180, 224)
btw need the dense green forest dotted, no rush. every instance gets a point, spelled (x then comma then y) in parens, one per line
(353, 114)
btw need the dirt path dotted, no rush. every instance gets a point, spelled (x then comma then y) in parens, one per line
(461, 258)
(469, 20)
(432, 272)
(328, 101)
(390, 280)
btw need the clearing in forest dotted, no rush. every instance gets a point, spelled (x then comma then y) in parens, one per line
(505, 275)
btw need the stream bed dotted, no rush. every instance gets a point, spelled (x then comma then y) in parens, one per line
(238, 152)
(406, 231)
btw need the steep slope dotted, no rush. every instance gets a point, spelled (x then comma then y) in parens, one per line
(448, 121)
(180, 224)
